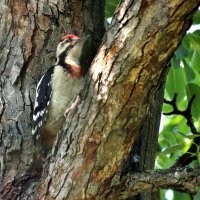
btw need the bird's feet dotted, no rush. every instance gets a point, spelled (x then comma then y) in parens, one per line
(74, 104)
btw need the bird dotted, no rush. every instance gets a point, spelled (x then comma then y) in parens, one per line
(57, 90)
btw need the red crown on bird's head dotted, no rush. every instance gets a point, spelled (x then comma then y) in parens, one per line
(70, 36)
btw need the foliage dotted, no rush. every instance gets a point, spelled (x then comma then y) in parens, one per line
(184, 79)
(110, 7)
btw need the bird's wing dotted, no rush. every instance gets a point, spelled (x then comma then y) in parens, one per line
(42, 101)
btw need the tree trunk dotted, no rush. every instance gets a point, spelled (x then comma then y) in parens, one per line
(88, 155)
(30, 32)
(143, 153)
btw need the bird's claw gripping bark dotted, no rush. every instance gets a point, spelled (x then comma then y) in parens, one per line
(74, 104)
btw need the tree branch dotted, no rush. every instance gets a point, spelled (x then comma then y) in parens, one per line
(187, 113)
(180, 179)
(190, 155)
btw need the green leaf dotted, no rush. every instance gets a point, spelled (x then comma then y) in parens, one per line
(189, 71)
(181, 52)
(167, 108)
(197, 196)
(196, 17)
(195, 60)
(169, 86)
(186, 42)
(110, 7)
(194, 39)
(172, 149)
(180, 195)
(175, 61)
(191, 137)
(176, 83)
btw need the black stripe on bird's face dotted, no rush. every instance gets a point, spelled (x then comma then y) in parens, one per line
(61, 57)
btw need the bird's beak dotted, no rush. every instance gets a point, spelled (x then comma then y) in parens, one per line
(79, 44)
(84, 38)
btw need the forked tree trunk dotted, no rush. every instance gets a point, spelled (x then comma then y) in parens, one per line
(88, 156)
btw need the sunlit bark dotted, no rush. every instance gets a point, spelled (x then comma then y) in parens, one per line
(88, 156)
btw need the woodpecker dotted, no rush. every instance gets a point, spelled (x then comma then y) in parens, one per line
(57, 90)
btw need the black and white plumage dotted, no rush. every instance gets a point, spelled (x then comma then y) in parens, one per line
(42, 100)
(57, 89)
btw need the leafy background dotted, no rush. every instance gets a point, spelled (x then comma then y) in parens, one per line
(184, 79)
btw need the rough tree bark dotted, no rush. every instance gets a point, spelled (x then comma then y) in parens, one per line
(30, 31)
(88, 156)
